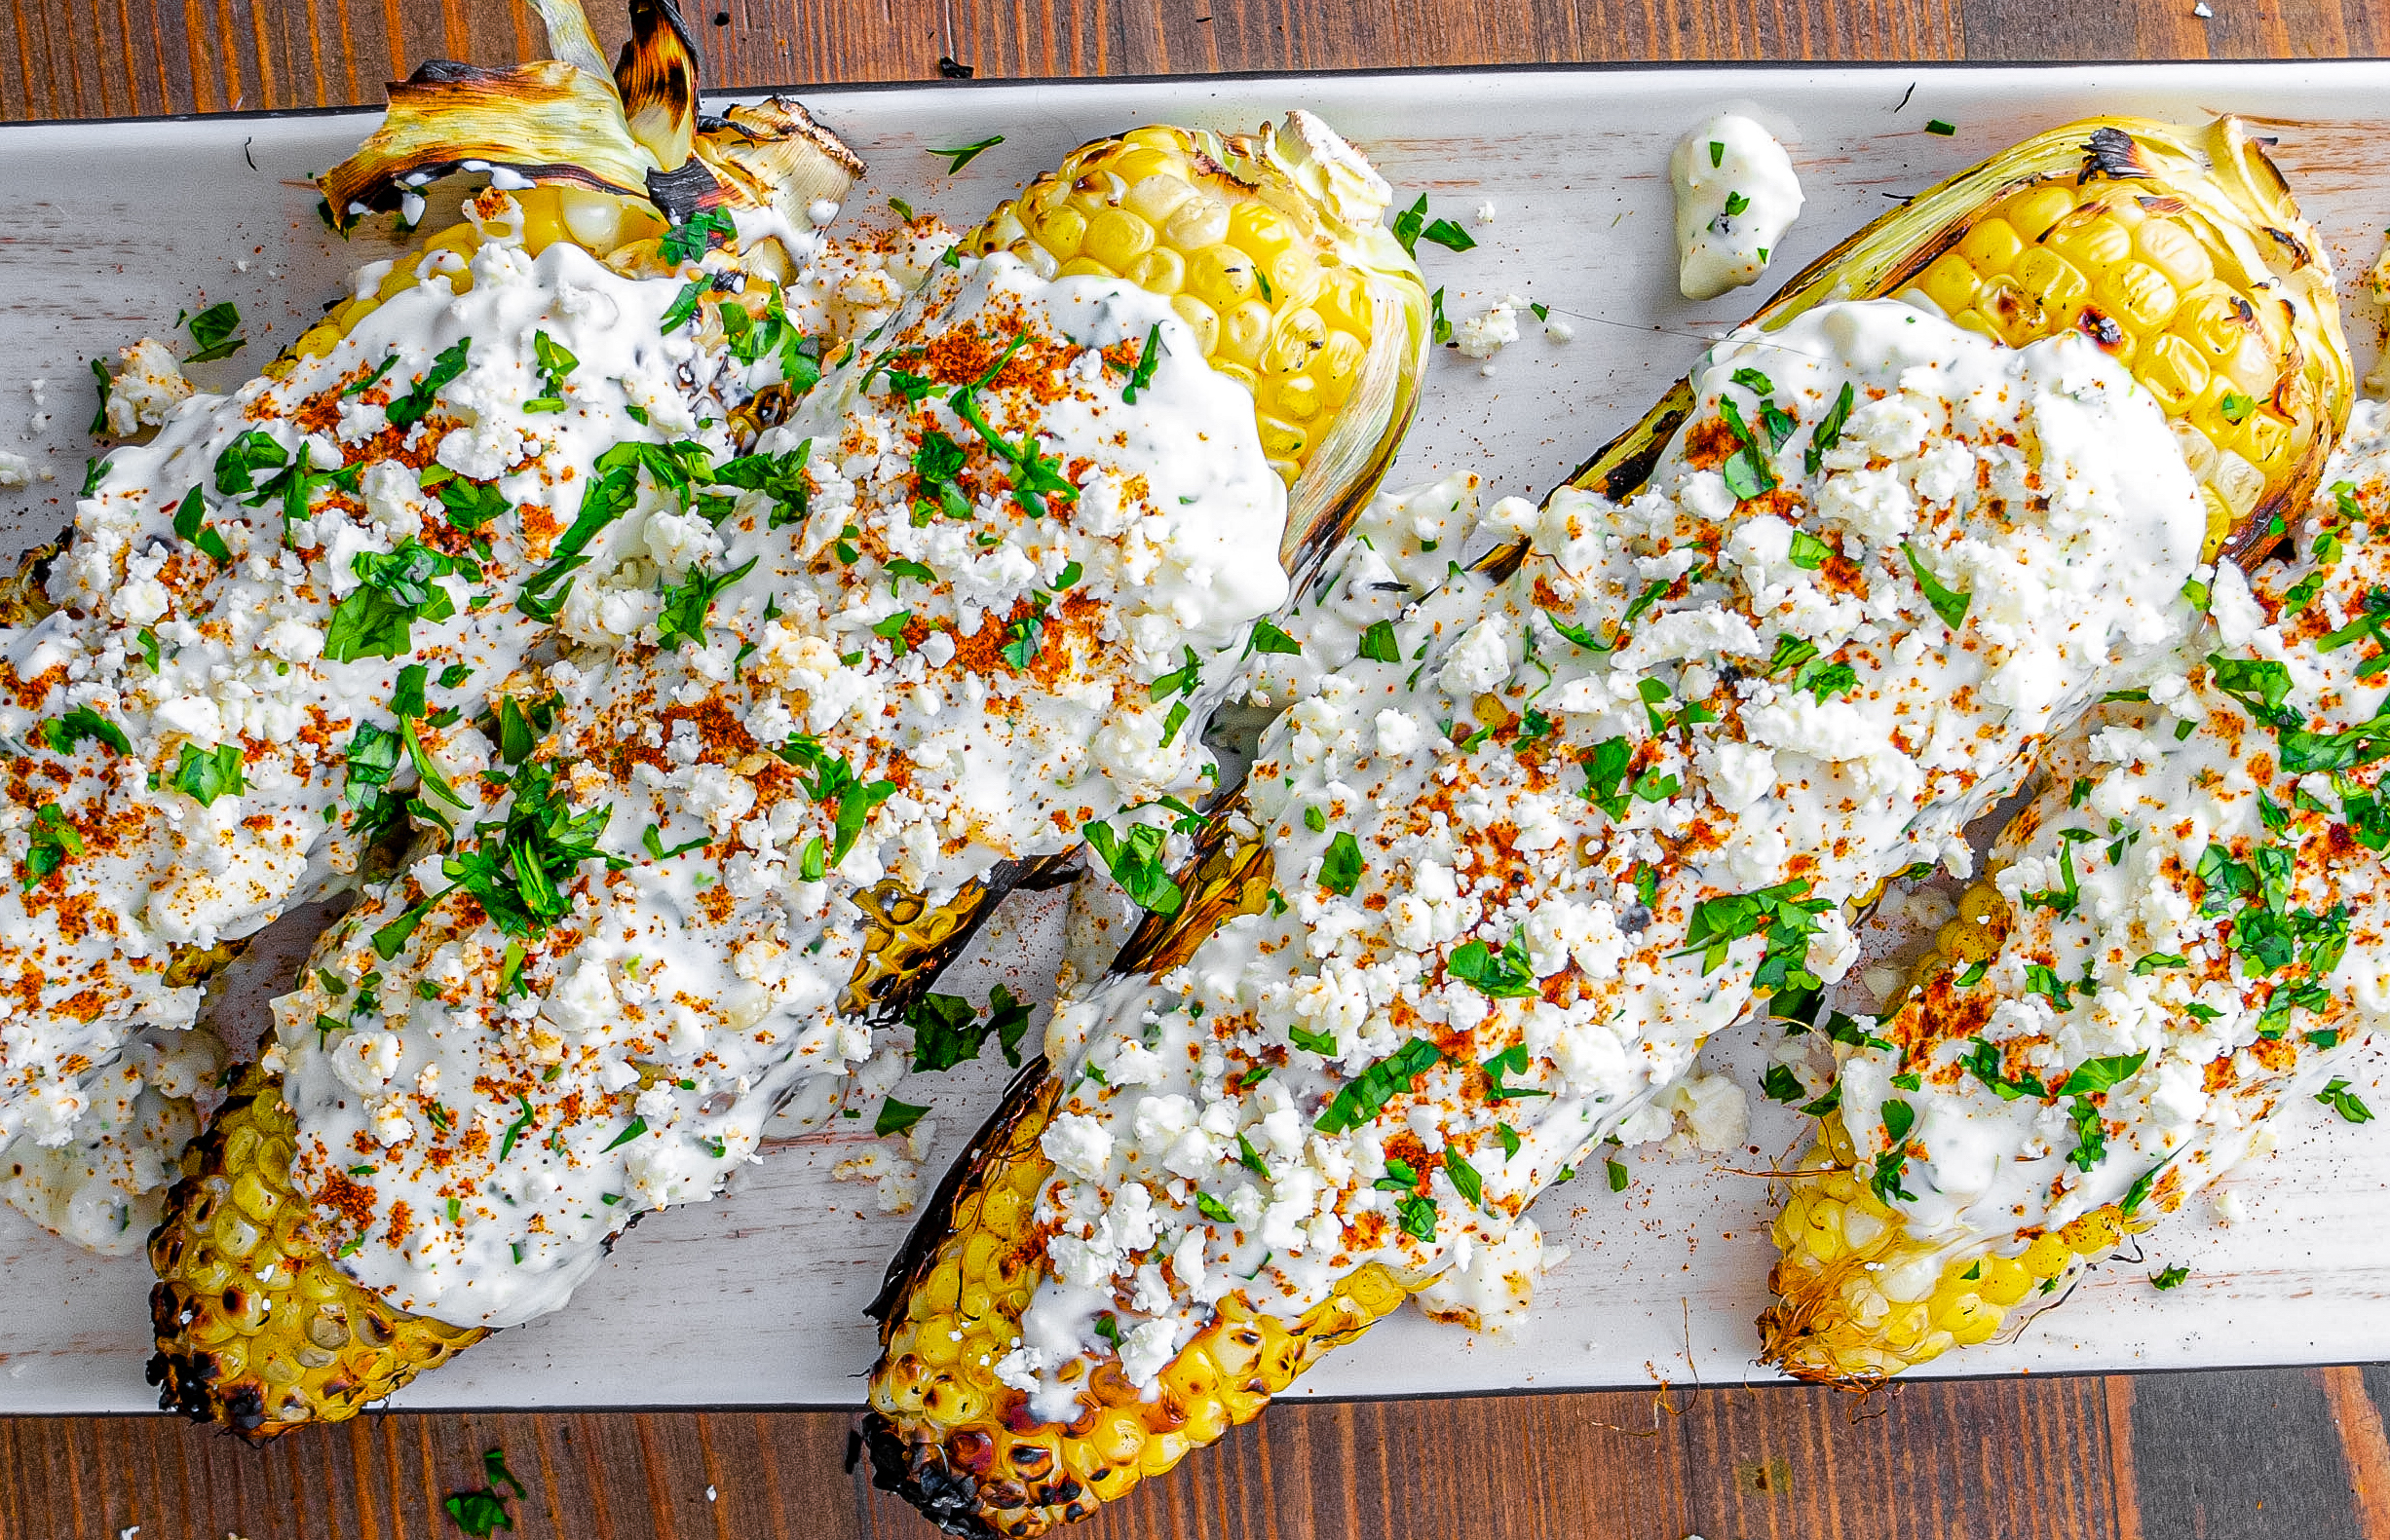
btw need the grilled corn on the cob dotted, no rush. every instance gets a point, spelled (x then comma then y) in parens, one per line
(2178, 252)
(2181, 940)
(198, 720)
(1539, 854)
(971, 594)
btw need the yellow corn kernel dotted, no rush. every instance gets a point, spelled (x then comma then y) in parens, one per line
(1222, 277)
(2095, 1233)
(2033, 211)
(1117, 237)
(1951, 282)
(1159, 270)
(2006, 1280)
(1197, 224)
(1244, 330)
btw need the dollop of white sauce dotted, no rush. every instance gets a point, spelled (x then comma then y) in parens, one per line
(1736, 195)
(1490, 852)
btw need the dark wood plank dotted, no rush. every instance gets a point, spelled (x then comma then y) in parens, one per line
(64, 58)
(2245, 1453)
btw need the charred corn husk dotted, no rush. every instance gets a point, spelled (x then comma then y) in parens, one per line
(2178, 252)
(2180, 941)
(791, 793)
(1498, 877)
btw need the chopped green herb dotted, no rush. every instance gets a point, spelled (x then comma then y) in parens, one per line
(1829, 431)
(1360, 1100)
(407, 410)
(1341, 868)
(211, 332)
(1142, 376)
(1135, 862)
(1507, 974)
(963, 155)
(896, 1117)
(1950, 606)
(2341, 1100)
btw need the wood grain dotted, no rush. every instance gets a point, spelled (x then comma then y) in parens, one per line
(81, 58)
(2284, 1452)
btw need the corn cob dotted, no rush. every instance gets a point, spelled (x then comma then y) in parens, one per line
(2179, 251)
(235, 1352)
(908, 930)
(1871, 1283)
(280, 1319)
(947, 1427)
(1258, 245)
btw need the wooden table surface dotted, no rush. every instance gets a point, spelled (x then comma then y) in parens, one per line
(2296, 1454)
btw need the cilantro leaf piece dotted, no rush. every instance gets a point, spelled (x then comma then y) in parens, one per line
(696, 236)
(1267, 638)
(2341, 1100)
(1359, 1100)
(1829, 431)
(1450, 236)
(1410, 223)
(394, 589)
(211, 332)
(407, 410)
(2102, 1073)
(896, 1117)
(207, 774)
(833, 783)
(1986, 1063)
(1507, 974)
(1379, 644)
(1512, 1060)
(61, 734)
(516, 865)
(1009, 1018)
(1135, 862)
(54, 839)
(946, 1031)
(1950, 605)
(683, 308)
(1142, 376)
(689, 603)
(1341, 868)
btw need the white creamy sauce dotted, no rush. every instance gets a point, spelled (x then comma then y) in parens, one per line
(1736, 195)
(1756, 690)
(2139, 984)
(910, 667)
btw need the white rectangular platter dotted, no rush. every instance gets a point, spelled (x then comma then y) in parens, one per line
(757, 1297)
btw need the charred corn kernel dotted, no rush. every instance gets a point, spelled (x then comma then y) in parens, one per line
(1854, 1306)
(1315, 316)
(943, 1424)
(313, 1346)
